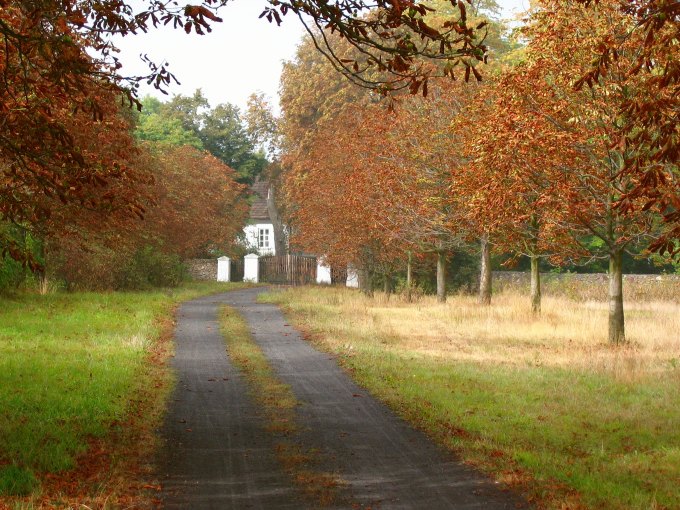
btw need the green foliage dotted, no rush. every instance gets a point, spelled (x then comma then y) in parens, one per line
(638, 262)
(463, 271)
(225, 137)
(155, 127)
(189, 120)
(188, 109)
(462, 274)
(13, 274)
(149, 268)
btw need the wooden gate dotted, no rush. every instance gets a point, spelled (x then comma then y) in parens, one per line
(288, 269)
(236, 270)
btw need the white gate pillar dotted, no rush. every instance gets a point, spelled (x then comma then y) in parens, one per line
(224, 269)
(251, 268)
(352, 277)
(323, 272)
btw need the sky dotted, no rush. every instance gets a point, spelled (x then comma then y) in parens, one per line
(242, 55)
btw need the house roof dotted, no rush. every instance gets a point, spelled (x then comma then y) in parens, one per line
(258, 208)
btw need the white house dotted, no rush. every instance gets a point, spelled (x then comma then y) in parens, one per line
(265, 235)
(263, 229)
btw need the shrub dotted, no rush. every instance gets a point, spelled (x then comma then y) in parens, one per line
(12, 274)
(150, 267)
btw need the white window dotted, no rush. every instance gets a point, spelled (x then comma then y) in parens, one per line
(263, 238)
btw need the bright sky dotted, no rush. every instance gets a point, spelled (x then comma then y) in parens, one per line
(242, 55)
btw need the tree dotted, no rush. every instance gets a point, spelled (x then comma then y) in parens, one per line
(514, 156)
(190, 120)
(155, 125)
(224, 135)
(652, 137)
(262, 125)
(333, 204)
(199, 207)
(425, 203)
(195, 208)
(398, 163)
(58, 57)
(396, 39)
(63, 142)
(579, 161)
(54, 163)
(311, 93)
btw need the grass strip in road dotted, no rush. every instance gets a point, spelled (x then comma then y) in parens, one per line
(278, 404)
(543, 403)
(83, 384)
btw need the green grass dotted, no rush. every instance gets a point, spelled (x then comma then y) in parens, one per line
(616, 444)
(571, 433)
(71, 367)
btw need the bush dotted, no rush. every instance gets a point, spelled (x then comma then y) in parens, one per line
(12, 274)
(102, 268)
(149, 268)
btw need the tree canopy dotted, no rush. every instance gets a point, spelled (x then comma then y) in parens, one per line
(190, 120)
(540, 160)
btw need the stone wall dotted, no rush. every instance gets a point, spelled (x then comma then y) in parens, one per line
(202, 269)
(502, 278)
(593, 286)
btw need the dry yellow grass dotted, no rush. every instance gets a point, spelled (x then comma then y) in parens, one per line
(541, 401)
(567, 333)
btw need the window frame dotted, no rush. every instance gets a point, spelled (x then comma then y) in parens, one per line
(263, 238)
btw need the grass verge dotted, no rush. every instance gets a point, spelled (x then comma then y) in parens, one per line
(83, 384)
(278, 404)
(542, 403)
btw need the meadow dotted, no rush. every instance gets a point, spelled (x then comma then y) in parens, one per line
(83, 384)
(542, 403)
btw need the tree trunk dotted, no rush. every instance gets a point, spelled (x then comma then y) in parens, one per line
(535, 285)
(441, 277)
(617, 334)
(43, 282)
(387, 285)
(485, 272)
(409, 276)
(365, 282)
(280, 242)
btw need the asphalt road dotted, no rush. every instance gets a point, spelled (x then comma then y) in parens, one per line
(218, 455)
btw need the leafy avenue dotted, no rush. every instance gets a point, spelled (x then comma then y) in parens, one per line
(418, 146)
